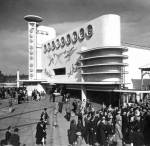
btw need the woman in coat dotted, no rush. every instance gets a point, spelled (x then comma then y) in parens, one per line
(72, 132)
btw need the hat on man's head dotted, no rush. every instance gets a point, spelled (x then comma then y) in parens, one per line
(78, 133)
(118, 112)
(16, 130)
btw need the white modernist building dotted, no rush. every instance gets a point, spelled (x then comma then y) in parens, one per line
(88, 58)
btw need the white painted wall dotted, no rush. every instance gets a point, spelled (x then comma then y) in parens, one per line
(106, 32)
(110, 27)
(137, 57)
(43, 34)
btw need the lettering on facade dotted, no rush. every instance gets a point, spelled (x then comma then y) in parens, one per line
(69, 53)
(51, 61)
(32, 46)
(74, 68)
(47, 73)
(56, 56)
(71, 38)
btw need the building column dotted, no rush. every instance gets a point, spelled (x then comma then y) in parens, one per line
(127, 98)
(142, 75)
(123, 99)
(83, 95)
(138, 96)
(18, 79)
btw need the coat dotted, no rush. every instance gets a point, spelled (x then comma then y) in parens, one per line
(39, 133)
(101, 137)
(146, 129)
(72, 134)
(7, 136)
(68, 108)
(118, 134)
(15, 139)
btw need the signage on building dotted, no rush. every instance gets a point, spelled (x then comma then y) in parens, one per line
(32, 49)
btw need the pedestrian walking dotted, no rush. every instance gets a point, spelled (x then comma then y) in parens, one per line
(44, 116)
(72, 132)
(56, 108)
(10, 105)
(40, 133)
(68, 111)
(60, 106)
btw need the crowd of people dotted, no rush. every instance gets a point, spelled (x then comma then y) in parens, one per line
(19, 94)
(127, 125)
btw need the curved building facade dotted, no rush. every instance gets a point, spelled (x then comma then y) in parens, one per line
(90, 58)
(91, 53)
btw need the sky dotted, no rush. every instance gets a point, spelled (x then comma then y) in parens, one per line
(65, 15)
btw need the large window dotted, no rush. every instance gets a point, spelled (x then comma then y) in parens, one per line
(60, 71)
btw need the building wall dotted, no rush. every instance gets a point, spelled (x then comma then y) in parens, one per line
(43, 34)
(137, 57)
(105, 41)
(106, 33)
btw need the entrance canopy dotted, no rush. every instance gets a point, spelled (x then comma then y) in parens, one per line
(145, 67)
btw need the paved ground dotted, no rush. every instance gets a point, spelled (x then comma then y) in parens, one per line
(26, 116)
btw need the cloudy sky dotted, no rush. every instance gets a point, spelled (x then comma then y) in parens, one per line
(65, 15)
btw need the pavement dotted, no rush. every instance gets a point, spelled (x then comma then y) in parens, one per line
(25, 117)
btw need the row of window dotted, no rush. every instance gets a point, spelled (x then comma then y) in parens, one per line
(68, 39)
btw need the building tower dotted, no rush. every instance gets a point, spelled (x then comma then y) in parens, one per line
(33, 22)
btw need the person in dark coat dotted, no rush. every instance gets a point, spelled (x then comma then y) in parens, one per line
(74, 104)
(138, 138)
(80, 127)
(44, 116)
(146, 130)
(8, 135)
(50, 95)
(68, 111)
(125, 124)
(53, 95)
(14, 138)
(39, 132)
(72, 132)
(92, 132)
(101, 128)
(87, 128)
(60, 106)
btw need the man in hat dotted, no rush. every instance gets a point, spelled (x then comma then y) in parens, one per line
(44, 116)
(40, 132)
(101, 128)
(15, 138)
